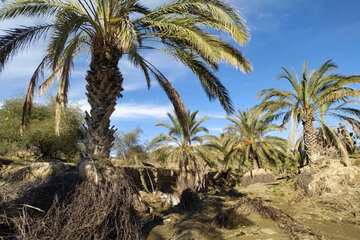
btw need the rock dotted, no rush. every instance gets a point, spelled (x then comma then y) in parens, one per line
(328, 176)
(33, 171)
(170, 199)
(88, 171)
(101, 171)
(268, 231)
(43, 170)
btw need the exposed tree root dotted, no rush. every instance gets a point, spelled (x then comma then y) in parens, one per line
(93, 211)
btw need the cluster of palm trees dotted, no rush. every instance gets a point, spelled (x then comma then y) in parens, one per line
(189, 31)
(250, 136)
(245, 140)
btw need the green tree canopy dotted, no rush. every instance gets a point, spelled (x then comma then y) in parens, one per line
(128, 145)
(187, 30)
(190, 156)
(314, 96)
(252, 128)
(41, 135)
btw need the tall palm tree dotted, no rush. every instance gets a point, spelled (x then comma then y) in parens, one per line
(109, 29)
(252, 128)
(316, 95)
(224, 148)
(190, 155)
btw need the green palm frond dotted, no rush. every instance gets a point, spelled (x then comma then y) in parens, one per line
(17, 39)
(188, 30)
(316, 93)
(175, 141)
(252, 128)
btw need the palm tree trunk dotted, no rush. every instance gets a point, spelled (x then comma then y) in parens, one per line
(309, 137)
(104, 86)
(255, 159)
(256, 164)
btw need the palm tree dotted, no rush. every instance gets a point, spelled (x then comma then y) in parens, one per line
(190, 155)
(224, 148)
(109, 29)
(316, 95)
(252, 128)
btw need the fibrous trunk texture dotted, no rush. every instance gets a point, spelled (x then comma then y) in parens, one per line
(255, 159)
(309, 137)
(104, 86)
(191, 174)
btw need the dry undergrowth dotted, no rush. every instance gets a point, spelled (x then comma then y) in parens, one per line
(94, 211)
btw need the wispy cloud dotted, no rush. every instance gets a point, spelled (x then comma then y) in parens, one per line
(265, 16)
(216, 129)
(217, 115)
(131, 111)
(22, 65)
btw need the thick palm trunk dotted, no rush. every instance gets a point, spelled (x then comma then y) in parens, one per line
(255, 159)
(191, 174)
(104, 86)
(309, 137)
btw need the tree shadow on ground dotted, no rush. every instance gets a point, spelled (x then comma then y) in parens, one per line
(205, 220)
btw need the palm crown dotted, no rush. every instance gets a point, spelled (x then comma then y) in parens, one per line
(252, 128)
(224, 149)
(168, 146)
(190, 155)
(317, 95)
(110, 29)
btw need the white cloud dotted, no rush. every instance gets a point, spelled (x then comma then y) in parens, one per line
(139, 111)
(132, 110)
(217, 115)
(216, 129)
(265, 16)
(23, 65)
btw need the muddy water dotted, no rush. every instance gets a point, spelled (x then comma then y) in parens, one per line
(193, 229)
(335, 231)
(307, 211)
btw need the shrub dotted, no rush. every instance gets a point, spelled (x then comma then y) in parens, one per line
(41, 135)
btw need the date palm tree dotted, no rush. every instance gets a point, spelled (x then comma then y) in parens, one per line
(110, 29)
(318, 94)
(224, 148)
(252, 128)
(190, 156)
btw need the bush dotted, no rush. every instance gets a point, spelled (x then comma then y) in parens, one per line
(40, 137)
(129, 145)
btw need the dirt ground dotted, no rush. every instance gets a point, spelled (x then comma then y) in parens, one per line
(323, 216)
(230, 214)
(333, 216)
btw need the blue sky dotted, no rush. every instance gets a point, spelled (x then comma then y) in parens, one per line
(283, 33)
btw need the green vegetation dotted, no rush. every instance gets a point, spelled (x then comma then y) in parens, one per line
(98, 200)
(312, 98)
(41, 139)
(110, 29)
(225, 149)
(190, 156)
(129, 145)
(252, 128)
